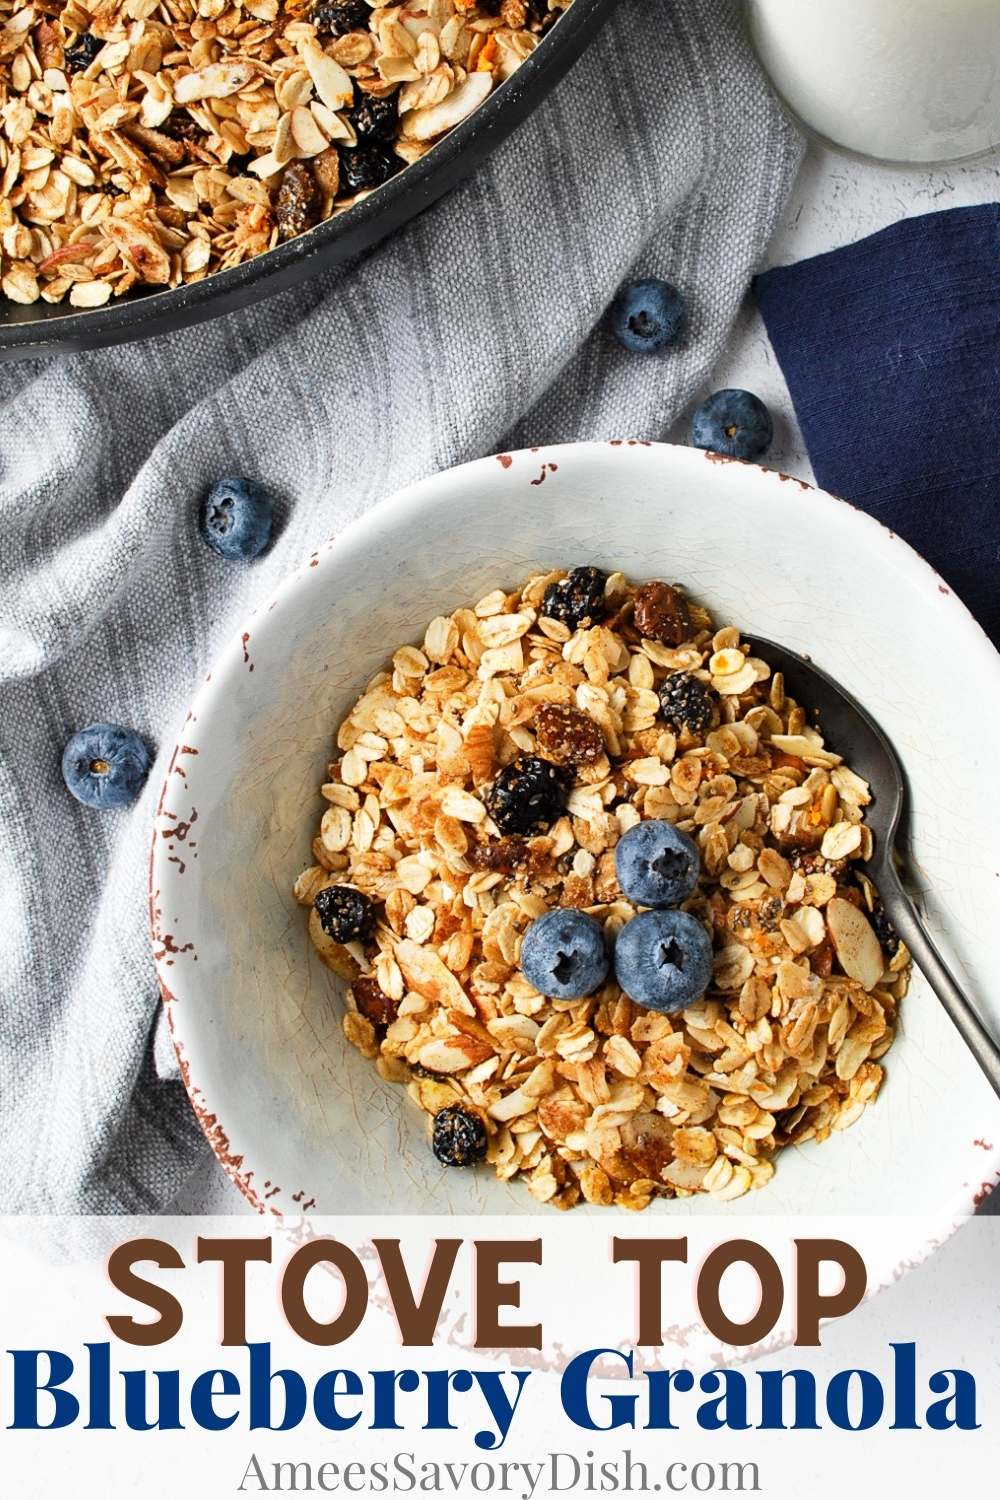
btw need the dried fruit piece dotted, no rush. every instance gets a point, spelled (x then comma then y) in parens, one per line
(82, 53)
(375, 119)
(527, 796)
(297, 208)
(347, 915)
(661, 614)
(337, 17)
(686, 703)
(459, 1138)
(577, 600)
(885, 932)
(181, 126)
(367, 167)
(504, 855)
(568, 736)
(373, 1002)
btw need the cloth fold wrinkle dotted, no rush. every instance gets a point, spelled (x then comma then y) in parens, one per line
(479, 327)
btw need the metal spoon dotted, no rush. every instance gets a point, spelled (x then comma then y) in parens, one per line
(846, 725)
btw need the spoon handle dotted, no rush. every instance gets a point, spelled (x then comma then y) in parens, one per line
(928, 960)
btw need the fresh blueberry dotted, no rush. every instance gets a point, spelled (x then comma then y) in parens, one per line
(236, 517)
(736, 423)
(564, 954)
(657, 864)
(105, 765)
(648, 315)
(663, 959)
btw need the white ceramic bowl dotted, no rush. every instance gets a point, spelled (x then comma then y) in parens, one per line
(297, 1117)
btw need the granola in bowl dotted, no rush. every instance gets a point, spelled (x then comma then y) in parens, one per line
(153, 142)
(485, 779)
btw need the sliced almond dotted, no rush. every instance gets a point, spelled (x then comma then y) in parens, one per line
(334, 955)
(331, 124)
(425, 972)
(841, 841)
(216, 81)
(141, 248)
(425, 124)
(331, 82)
(453, 1054)
(855, 942)
(309, 139)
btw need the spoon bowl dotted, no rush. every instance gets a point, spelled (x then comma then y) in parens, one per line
(844, 722)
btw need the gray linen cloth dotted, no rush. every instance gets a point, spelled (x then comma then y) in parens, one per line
(480, 327)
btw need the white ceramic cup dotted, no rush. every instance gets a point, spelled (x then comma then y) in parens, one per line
(901, 80)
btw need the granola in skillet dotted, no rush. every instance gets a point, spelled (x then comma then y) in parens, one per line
(642, 709)
(157, 141)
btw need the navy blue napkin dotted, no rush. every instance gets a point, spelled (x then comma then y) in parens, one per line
(891, 351)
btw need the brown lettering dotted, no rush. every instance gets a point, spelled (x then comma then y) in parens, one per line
(772, 1294)
(492, 1294)
(417, 1320)
(352, 1273)
(811, 1306)
(234, 1256)
(649, 1256)
(124, 1279)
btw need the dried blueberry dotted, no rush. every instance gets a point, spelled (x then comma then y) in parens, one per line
(528, 795)
(686, 703)
(375, 119)
(346, 914)
(337, 17)
(459, 1138)
(82, 53)
(577, 600)
(366, 167)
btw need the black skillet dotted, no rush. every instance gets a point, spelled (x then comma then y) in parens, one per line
(45, 328)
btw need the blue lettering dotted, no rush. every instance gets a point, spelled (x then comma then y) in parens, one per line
(28, 1386)
(573, 1393)
(203, 1394)
(327, 1390)
(261, 1379)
